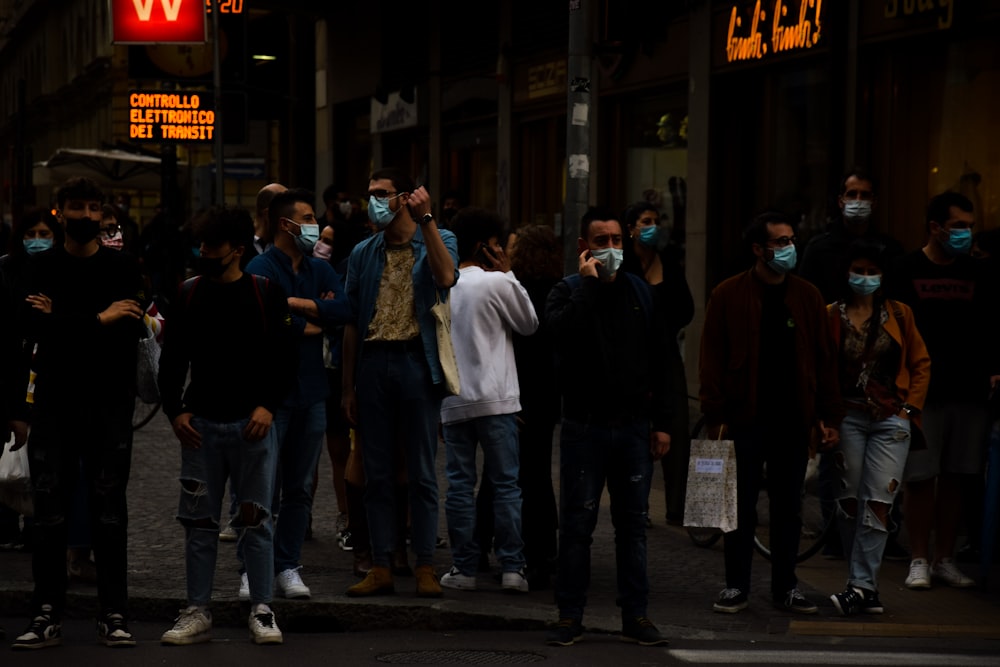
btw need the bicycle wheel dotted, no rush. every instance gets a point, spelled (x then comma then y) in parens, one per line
(143, 413)
(815, 528)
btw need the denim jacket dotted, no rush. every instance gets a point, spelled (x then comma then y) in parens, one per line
(364, 276)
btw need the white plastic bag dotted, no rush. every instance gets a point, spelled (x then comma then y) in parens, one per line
(15, 479)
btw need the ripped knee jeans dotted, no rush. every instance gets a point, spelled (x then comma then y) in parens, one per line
(249, 466)
(870, 463)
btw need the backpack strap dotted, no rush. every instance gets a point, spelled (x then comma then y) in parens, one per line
(187, 290)
(260, 284)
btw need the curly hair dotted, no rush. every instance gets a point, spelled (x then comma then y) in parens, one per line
(537, 253)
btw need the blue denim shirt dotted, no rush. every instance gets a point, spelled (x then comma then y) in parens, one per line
(315, 277)
(364, 276)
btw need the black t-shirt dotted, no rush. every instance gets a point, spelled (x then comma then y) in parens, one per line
(776, 377)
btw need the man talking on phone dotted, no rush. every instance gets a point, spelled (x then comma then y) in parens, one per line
(616, 408)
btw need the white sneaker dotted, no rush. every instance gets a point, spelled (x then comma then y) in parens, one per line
(514, 582)
(263, 627)
(289, 585)
(919, 577)
(193, 626)
(455, 579)
(948, 572)
(244, 587)
(341, 525)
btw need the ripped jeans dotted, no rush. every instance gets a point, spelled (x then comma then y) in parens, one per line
(250, 467)
(870, 462)
(590, 456)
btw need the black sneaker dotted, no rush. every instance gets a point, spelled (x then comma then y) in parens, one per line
(41, 632)
(113, 631)
(849, 602)
(871, 604)
(793, 600)
(731, 600)
(640, 630)
(346, 541)
(566, 632)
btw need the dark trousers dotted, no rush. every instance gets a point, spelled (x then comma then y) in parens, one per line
(63, 441)
(785, 454)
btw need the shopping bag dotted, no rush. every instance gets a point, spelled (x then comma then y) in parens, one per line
(710, 501)
(147, 368)
(446, 352)
(15, 479)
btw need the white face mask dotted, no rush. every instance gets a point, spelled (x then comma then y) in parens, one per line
(857, 210)
(610, 259)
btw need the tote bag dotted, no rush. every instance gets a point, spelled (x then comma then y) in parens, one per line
(710, 501)
(446, 352)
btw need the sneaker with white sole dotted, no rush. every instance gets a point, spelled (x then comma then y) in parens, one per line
(948, 572)
(730, 601)
(795, 601)
(453, 578)
(244, 587)
(289, 585)
(514, 582)
(113, 631)
(263, 627)
(919, 577)
(193, 626)
(41, 632)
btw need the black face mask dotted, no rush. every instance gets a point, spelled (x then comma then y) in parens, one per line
(212, 267)
(82, 230)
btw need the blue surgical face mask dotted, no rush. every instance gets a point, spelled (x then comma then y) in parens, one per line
(959, 242)
(308, 235)
(784, 259)
(863, 284)
(610, 259)
(35, 246)
(649, 236)
(379, 212)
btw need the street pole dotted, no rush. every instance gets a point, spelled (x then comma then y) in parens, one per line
(578, 113)
(220, 193)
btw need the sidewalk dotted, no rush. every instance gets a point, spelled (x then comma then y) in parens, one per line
(684, 579)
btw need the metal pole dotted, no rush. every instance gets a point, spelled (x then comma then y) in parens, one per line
(220, 192)
(578, 113)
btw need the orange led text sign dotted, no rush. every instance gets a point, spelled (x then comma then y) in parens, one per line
(160, 117)
(781, 31)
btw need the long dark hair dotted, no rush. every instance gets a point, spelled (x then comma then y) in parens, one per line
(874, 252)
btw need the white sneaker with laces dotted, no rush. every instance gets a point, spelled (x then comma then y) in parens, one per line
(263, 627)
(289, 585)
(193, 626)
(244, 587)
(948, 572)
(919, 577)
(453, 578)
(514, 582)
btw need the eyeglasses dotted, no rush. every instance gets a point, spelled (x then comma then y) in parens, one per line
(111, 230)
(382, 194)
(783, 241)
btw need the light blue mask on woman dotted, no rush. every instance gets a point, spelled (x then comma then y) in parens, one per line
(35, 246)
(649, 236)
(863, 284)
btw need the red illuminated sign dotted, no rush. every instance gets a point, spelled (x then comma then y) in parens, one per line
(158, 21)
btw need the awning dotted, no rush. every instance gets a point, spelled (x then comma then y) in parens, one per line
(110, 168)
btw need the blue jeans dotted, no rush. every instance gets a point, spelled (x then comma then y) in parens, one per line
(870, 462)
(497, 434)
(249, 466)
(301, 433)
(590, 456)
(398, 411)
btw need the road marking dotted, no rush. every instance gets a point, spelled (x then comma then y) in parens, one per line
(883, 659)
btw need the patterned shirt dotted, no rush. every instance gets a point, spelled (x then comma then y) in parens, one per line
(395, 317)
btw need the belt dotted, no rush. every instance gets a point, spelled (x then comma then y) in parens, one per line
(411, 345)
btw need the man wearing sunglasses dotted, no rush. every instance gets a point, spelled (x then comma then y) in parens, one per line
(392, 382)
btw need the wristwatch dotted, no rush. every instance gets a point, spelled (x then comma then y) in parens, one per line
(427, 217)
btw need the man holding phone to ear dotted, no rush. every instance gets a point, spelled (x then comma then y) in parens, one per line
(616, 412)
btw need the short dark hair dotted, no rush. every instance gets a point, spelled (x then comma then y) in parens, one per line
(29, 219)
(400, 180)
(633, 212)
(596, 213)
(79, 187)
(474, 226)
(938, 208)
(756, 231)
(861, 174)
(283, 205)
(865, 248)
(221, 224)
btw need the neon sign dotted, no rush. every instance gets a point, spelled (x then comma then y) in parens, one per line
(804, 33)
(160, 117)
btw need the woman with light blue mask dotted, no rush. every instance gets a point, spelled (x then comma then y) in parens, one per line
(884, 376)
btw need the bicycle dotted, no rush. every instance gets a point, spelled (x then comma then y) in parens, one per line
(815, 528)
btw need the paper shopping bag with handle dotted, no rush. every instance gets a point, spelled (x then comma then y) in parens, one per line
(710, 501)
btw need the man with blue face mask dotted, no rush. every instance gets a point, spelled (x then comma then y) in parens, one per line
(393, 382)
(954, 306)
(824, 255)
(616, 419)
(768, 381)
(316, 299)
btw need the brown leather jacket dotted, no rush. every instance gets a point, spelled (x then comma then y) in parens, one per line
(729, 360)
